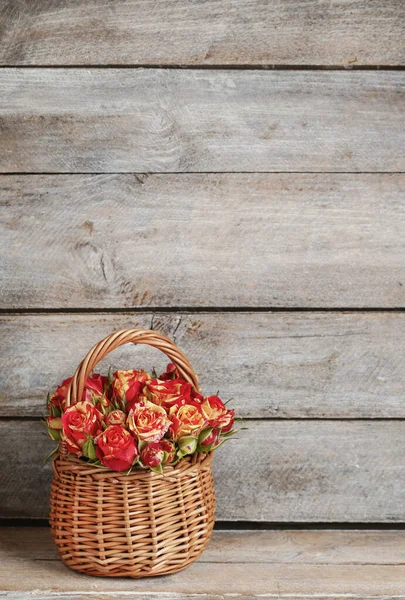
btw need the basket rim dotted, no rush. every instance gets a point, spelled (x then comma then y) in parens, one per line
(186, 465)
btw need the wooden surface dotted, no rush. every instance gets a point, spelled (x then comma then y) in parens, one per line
(300, 471)
(216, 32)
(293, 240)
(281, 564)
(198, 198)
(120, 120)
(278, 365)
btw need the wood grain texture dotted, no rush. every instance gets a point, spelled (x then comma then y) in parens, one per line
(288, 365)
(287, 546)
(120, 120)
(226, 32)
(276, 240)
(42, 576)
(300, 471)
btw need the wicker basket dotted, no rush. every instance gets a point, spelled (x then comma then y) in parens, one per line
(142, 524)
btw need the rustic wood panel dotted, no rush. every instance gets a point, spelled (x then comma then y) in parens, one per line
(331, 471)
(119, 120)
(304, 32)
(289, 365)
(273, 547)
(284, 240)
(31, 555)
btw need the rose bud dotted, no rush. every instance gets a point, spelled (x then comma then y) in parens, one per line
(187, 445)
(186, 419)
(58, 399)
(78, 422)
(54, 425)
(170, 373)
(208, 438)
(116, 448)
(170, 450)
(116, 417)
(148, 422)
(128, 385)
(152, 455)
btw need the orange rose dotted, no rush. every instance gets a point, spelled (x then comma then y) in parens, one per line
(186, 419)
(128, 386)
(167, 393)
(216, 413)
(116, 417)
(78, 422)
(147, 421)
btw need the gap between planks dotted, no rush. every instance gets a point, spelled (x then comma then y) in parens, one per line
(210, 67)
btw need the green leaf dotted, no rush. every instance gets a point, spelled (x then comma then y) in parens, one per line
(54, 451)
(55, 411)
(158, 469)
(54, 434)
(89, 448)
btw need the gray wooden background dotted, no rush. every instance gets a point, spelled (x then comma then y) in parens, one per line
(231, 173)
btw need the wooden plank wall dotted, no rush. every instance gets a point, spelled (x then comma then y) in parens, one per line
(232, 174)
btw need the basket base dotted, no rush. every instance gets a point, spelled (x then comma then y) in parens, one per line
(144, 524)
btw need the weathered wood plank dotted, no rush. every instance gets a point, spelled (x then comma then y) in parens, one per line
(291, 546)
(284, 240)
(300, 471)
(42, 578)
(305, 32)
(120, 120)
(289, 365)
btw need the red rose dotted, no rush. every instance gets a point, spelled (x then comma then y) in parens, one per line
(115, 448)
(116, 417)
(128, 386)
(148, 422)
(96, 390)
(167, 393)
(216, 412)
(78, 422)
(186, 419)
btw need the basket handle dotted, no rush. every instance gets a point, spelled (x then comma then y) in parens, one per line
(126, 336)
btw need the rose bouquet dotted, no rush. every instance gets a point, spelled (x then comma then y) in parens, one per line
(133, 419)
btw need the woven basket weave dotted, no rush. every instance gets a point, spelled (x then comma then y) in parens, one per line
(142, 524)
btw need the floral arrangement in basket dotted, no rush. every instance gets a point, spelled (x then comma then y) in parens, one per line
(131, 418)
